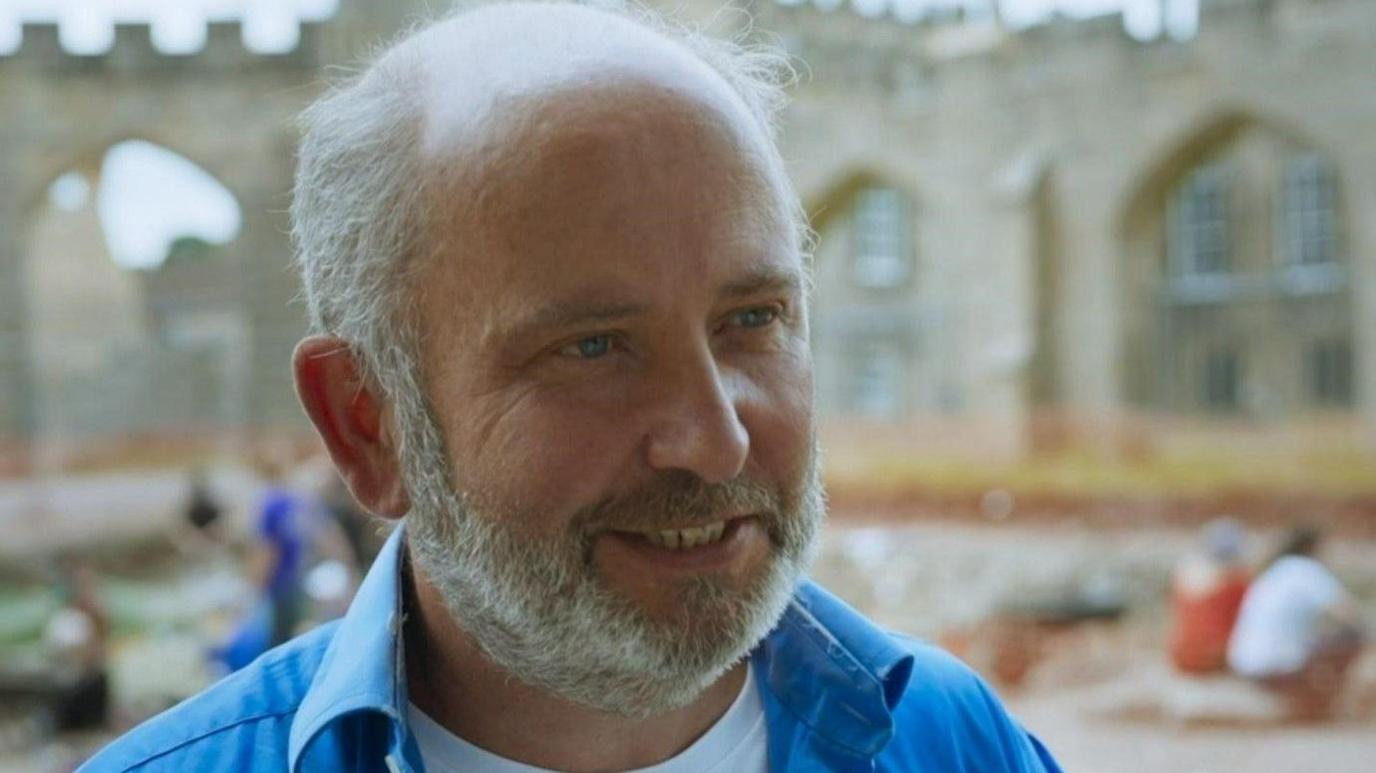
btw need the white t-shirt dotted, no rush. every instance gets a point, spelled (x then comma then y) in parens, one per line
(735, 744)
(1278, 625)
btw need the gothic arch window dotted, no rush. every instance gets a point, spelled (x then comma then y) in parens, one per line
(1239, 300)
(1199, 220)
(868, 317)
(150, 197)
(877, 380)
(1307, 217)
(881, 254)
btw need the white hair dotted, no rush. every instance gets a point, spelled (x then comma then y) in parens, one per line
(358, 218)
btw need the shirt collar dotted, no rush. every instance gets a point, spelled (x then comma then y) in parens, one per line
(363, 667)
(830, 666)
(835, 671)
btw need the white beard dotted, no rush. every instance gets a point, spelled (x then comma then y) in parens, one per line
(537, 608)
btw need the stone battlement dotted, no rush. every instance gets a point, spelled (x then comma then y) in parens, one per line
(852, 52)
(941, 23)
(941, 35)
(133, 49)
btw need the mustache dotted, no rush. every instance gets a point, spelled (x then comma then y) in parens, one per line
(676, 498)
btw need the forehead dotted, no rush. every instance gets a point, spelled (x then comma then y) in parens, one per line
(624, 194)
(619, 196)
(620, 155)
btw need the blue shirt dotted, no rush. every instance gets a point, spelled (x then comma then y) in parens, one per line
(839, 695)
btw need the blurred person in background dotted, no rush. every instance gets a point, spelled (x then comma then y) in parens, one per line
(342, 540)
(276, 559)
(75, 638)
(363, 534)
(557, 285)
(300, 562)
(1207, 588)
(202, 510)
(203, 524)
(1299, 629)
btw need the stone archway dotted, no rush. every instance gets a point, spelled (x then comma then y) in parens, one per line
(1229, 310)
(228, 110)
(118, 349)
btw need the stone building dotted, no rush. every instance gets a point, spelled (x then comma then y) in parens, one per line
(202, 343)
(1069, 224)
(1060, 226)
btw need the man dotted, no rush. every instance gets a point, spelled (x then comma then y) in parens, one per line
(1298, 630)
(555, 266)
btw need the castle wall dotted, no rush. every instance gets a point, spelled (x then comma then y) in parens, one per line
(1023, 154)
(950, 115)
(227, 110)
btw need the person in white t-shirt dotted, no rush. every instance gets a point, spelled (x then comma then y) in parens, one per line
(1298, 629)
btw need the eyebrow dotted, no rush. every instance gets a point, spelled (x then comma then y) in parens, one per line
(575, 313)
(763, 280)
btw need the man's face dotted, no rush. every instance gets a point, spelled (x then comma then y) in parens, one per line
(616, 360)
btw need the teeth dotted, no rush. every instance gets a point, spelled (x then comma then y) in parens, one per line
(682, 539)
(692, 537)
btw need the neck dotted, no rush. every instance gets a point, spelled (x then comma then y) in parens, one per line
(450, 679)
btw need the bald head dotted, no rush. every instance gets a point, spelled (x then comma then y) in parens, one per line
(484, 90)
(483, 69)
(509, 97)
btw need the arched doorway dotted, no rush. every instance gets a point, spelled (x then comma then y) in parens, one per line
(120, 337)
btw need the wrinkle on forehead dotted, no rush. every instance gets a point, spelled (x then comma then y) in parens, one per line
(478, 68)
(603, 147)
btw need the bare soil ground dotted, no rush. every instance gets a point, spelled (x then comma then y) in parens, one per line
(1099, 694)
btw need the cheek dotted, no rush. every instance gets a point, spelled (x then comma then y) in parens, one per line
(778, 416)
(543, 457)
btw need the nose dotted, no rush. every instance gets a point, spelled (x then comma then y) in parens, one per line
(697, 427)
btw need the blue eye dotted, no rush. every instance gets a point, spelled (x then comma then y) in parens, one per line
(757, 317)
(593, 347)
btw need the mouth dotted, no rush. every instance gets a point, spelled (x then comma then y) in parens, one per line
(685, 538)
(699, 546)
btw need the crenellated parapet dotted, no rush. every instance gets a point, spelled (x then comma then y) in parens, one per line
(843, 51)
(132, 50)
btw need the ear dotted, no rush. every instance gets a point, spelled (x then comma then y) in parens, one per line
(350, 417)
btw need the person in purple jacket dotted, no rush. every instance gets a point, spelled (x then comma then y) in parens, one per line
(274, 564)
(557, 282)
(278, 555)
